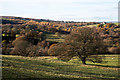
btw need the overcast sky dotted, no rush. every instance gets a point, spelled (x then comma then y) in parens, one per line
(67, 10)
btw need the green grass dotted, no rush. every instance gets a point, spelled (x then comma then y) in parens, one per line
(111, 61)
(51, 67)
(94, 25)
(55, 38)
(116, 23)
(117, 29)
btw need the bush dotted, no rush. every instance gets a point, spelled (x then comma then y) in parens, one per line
(35, 51)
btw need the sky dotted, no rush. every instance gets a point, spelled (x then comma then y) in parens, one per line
(65, 10)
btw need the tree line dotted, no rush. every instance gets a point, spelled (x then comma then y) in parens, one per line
(28, 39)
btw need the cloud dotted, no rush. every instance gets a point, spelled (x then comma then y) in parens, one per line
(86, 18)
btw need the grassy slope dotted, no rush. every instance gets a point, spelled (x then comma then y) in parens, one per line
(51, 67)
(55, 38)
(94, 25)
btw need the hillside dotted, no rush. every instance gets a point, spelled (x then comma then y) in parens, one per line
(6, 19)
(53, 31)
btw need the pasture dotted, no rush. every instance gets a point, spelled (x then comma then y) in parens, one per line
(52, 68)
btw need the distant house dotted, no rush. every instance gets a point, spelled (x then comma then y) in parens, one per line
(103, 23)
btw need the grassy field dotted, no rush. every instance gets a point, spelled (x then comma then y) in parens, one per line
(55, 38)
(94, 25)
(52, 68)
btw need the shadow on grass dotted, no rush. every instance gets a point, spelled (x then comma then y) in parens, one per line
(104, 65)
(59, 70)
(58, 79)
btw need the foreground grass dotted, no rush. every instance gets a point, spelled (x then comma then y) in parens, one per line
(51, 67)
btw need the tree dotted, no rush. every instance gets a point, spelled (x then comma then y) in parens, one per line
(34, 37)
(84, 43)
(5, 47)
(20, 47)
(24, 47)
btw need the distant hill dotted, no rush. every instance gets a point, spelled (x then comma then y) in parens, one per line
(7, 19)
(4, 21)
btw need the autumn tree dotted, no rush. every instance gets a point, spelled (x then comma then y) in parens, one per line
(26, 45)
(84, 43)
(20, 45)
(37, 50)
(34, 37)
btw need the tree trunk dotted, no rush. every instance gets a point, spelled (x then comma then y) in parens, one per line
(84, 61)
